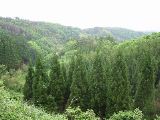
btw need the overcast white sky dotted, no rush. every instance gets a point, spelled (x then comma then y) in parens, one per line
(142, 15)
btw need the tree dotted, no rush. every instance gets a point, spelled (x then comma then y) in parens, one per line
(40, 84)
(98, 87)
(120, 98)
(69, 80)
(28, 93)
(145, 94)
(8, 51)
(56, 86)
(2, 70)
(78, 86)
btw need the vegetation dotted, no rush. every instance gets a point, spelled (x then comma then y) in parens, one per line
(13, 109)
(90, 78)
(31, 38)
(106, 92)
(129, 115)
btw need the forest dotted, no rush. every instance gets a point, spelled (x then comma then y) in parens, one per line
(54, 72)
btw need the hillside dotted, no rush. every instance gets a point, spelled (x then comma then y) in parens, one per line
(30, 38)
(119, 34)
(60, 72)
(99, 76)
(13, 108)
(63, 33)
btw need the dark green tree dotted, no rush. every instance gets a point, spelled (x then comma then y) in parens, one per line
(56, 86)
(78, 96)
(28, 93)
(69, 80)
(120, 98)
(98, 87)
(40, 84)
(145, 95)
(8, 51)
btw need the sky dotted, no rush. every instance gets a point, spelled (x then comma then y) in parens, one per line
(140, 15)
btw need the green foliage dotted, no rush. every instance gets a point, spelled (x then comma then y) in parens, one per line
(56, 85)
(120, 98)
(77, 114)
(145, 96)
(28, 92)
(29, 38)
(107, 82)
(14, 80)
(78, 96)
(40, 84)
(69, 79)
(8, 51)
(117, 33)
(157, 118)
(12, 109)
(2, 70)
(98, 87)
(127, 115)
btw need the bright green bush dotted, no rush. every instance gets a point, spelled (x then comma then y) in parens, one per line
(14, 80)
(77, 114)
(11, 109)
(157, 118)
(128, 115)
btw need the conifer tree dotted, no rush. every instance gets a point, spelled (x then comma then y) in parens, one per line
(40, 84)
(28, 93)
(56, 86)
(98, 87)
(145, 94)
(78, 86)
(8, 51)
(66, 87)
(69, 80)
(120, 98)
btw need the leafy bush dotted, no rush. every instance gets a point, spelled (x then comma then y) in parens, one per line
(77, 114)
(14, 80)
(157, 118)
(2, 70)
(127, 115)
(11, 109)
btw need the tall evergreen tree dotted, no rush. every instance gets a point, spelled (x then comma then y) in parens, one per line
(69, 80)
(40, 84)
(56, 86)
(8, 51)
(78, 86)
(145, 94)
(120, 98)
(98, 87)
(28, 93)
(134, 75)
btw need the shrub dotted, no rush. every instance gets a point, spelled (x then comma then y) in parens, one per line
(77, 114)
(11, 109)
(127, 115)
(14, 81)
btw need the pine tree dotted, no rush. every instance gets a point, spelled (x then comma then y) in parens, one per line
(120, 98)
(145, 94)
(8, 51)
(28, 93)
(40, 84)
(56, 86)
(134, 74)
(98, 87)
(66, 84)
(69, 80)
(78, 86)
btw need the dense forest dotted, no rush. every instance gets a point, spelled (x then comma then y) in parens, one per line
(54, 72)
(30, 38)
